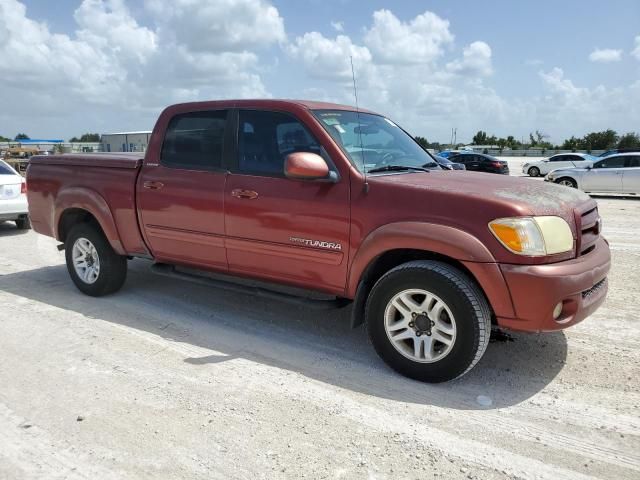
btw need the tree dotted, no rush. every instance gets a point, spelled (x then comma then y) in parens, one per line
(22, 136)
(600, 140)
(422, 142)
(87, 137)
(480, 138)
(4, 139)
(629, 140)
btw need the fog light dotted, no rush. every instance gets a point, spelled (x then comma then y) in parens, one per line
(557, 311)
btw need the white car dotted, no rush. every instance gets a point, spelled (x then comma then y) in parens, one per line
(13, 197)
(562, 160)
(614, 174)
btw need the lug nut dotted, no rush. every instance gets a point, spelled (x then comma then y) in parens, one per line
(411, 324)
(428, 334)
(433, 323)
(414, 315)
(418, 333)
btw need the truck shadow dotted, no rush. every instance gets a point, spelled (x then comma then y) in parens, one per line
(319, 345)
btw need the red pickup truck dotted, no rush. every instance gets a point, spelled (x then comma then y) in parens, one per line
(344, 206)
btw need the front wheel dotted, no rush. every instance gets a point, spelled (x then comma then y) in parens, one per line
(428, 321)
(568, 182)
(95, 268)
(534, 172)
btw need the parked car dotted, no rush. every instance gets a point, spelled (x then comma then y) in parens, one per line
(448, 164)
(480, 162)
(562, 160)
(618, 150)
(448, 153)
(614, 174)
(276, 190)
(13, 198)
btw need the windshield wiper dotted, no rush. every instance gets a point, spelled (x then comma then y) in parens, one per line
(396, 168)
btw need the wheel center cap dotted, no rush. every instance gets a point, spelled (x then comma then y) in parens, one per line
(422, 323)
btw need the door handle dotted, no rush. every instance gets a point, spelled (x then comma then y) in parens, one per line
(240, 193)
(153, 185)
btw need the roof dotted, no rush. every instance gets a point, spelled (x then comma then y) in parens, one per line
(142, 132)
(284, 104)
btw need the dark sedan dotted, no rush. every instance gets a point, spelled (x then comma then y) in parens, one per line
(480, 162)
(448, 164)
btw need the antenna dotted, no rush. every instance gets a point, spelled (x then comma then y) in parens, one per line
(355, 94)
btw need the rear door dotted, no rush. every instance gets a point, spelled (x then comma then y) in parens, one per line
(557, 161)
(293, 231)
(605, 176)
(180, 195)
(631, 175)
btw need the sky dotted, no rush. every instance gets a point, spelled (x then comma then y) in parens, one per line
(506, 67)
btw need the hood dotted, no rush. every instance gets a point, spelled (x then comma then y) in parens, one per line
(522, 196)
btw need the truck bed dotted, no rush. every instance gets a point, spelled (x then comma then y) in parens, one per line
(109, 178)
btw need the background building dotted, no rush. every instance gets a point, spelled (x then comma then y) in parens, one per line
(125, 141)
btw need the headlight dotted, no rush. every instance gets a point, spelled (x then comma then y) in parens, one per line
(533, 236)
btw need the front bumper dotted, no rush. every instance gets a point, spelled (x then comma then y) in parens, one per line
(580, 284)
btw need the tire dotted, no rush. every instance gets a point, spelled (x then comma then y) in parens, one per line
(534, 172)
(464, 320)
(23, 223)
(111, 271)
(567, 182)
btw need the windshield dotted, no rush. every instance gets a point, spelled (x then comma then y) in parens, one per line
(372, 141)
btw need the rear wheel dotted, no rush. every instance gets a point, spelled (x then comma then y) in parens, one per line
(428, 321)
(95, 268)
(23, 223)
(568, 182)
(534, 172)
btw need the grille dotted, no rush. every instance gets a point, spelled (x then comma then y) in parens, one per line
(593, 290)
(589, 228)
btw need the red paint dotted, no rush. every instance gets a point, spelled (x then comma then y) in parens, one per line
(323, 235)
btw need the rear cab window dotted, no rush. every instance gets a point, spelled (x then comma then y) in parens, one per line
(195, 141)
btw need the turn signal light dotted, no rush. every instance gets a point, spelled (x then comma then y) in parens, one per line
(23, 188)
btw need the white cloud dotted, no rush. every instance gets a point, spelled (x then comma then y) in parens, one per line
(636, 51)
(114, 70)
(421, 40)
(338, 26)
(476, 59)
(222, 25)
(329, 58)
(605, 55)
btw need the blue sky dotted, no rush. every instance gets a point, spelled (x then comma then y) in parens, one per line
(507, 67)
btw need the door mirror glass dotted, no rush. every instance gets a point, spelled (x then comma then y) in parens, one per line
(306, 166)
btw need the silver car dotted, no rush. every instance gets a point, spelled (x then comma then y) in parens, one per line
(614, 174)
(562, 160)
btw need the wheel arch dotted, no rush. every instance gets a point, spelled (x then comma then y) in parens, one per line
(393, 245)
(82, 205)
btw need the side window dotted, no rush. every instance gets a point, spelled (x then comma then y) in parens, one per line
(610, 162)
(634, 161)
(559, 158)
(266, 138)
(195, 141)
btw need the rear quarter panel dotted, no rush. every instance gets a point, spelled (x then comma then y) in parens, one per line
(107, 193)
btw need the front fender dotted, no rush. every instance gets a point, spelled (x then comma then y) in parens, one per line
(91, 201)
(430, 237)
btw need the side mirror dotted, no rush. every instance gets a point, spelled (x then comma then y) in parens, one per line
(307, 166)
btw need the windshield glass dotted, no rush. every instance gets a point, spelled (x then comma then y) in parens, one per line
(372, 141)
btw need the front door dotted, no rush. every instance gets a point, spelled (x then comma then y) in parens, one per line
(181, 194)
(294, 231)
(605, 176)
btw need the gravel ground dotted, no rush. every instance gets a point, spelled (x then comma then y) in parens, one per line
(174, 380)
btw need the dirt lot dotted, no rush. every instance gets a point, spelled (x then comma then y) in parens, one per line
(174, 380)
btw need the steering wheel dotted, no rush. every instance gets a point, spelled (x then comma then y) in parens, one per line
(387, 157)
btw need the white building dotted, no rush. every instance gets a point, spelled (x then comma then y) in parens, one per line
(125, 141)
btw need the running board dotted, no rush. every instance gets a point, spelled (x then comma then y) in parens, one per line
(167, 270)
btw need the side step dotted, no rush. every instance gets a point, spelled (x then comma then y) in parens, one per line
(167, 270)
